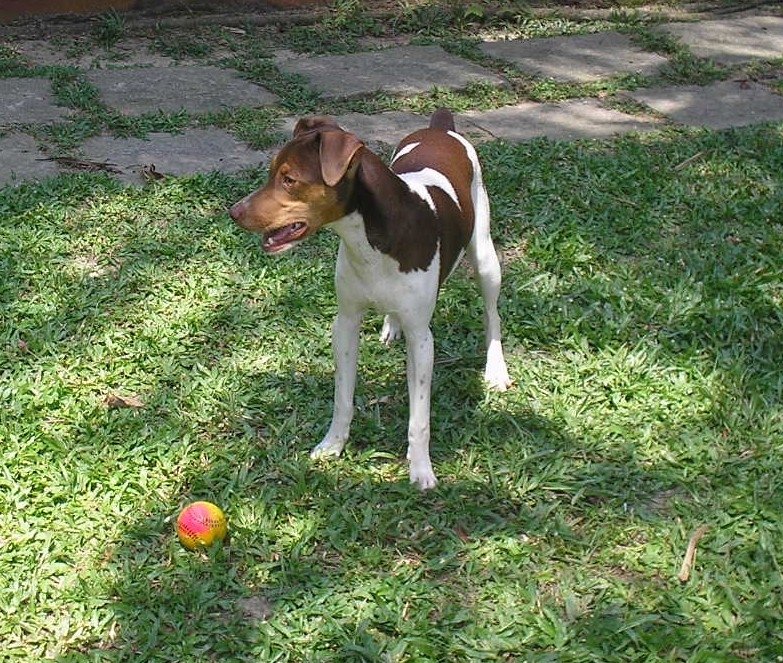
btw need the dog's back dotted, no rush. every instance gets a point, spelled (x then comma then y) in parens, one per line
(441, 161)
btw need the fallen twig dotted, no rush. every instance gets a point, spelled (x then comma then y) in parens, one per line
(690, 160)
(84, 164)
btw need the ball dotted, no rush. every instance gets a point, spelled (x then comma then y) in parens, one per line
(200, 525)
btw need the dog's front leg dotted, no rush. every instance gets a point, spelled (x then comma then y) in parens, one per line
(421, 353)
(345, 346)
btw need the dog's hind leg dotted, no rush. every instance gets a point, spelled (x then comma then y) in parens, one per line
(421, 354)
(482, 255)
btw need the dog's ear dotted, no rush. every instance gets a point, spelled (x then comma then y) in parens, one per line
(308, 124)
(337, 151)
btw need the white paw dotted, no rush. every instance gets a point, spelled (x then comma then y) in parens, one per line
(498, 380)
(391, 330)
(328, 447)
(423, 476)
(495, 372)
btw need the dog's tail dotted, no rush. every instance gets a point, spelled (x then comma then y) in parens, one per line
(442, 119)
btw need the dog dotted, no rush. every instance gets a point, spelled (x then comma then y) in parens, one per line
(403, 230)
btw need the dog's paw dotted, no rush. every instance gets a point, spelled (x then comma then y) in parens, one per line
(423, 477)
(496, 375)
(327, 448)
(391, 330)
(498, 381)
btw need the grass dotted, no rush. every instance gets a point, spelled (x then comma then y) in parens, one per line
(642, 320)
(642, 314)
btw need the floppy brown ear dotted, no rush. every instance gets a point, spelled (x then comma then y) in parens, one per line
(307, 124)
(337, 150)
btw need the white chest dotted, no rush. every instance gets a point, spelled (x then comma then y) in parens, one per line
(369, 278)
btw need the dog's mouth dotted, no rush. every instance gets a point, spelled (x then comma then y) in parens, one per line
(282, 239)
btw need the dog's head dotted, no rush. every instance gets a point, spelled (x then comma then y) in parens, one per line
(310, 182)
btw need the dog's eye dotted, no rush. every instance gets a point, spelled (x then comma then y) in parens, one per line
(287, 181)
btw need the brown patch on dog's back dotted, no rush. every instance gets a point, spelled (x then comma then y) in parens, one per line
(443, 153)
(447, 155)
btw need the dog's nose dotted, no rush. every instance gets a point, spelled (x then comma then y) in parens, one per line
(238, 210)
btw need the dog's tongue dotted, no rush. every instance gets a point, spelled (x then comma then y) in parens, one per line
(283, 238)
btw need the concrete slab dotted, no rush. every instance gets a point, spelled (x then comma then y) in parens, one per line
(581, 118)
(126, 53)
(196, 89)
(404, 69)
(717, 106)
(28, 100)
(577, 58)
(383, 131)
(194, 151)
(21, 160)
(732, 41)
(387, 128)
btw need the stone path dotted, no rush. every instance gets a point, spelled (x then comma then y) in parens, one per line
(717, 106)
(732, 41)
(148, 82)
(578, 58)
(403, 69)
(195, 88)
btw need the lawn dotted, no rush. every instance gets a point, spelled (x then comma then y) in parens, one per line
(642, 320)
(152, 355)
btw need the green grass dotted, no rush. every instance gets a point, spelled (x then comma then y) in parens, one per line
(109, 29)
(642, 313)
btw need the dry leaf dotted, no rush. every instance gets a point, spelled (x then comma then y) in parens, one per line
(151, 174)
(462, 534)
(690, 554)
(113, 402)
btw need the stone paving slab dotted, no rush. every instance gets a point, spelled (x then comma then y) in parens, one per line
(196, 89)
(126, 53)
(388, 128)
(401, 69)
(194, 151)
(20, 159)
(378, 130)
(716, 106)
(28, 100)
(169, 86)
(385, 130)
(582, 118)
(732, 41)
(577, 58)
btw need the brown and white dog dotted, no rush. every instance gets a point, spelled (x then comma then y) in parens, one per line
(403, 230)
